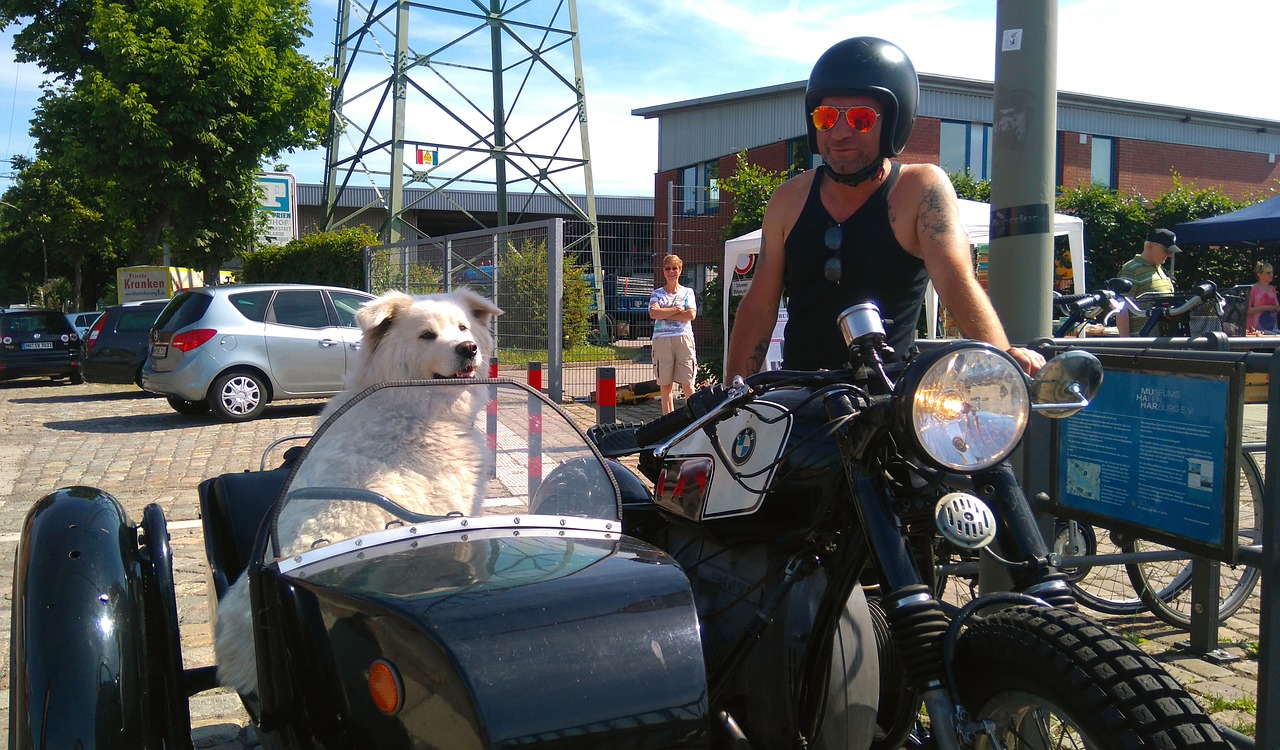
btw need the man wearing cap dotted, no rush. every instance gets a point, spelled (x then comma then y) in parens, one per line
(1146, 270)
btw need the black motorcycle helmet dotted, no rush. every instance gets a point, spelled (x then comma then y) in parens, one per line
(868, 66)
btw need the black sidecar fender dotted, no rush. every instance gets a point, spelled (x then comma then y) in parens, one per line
(521, 641)
(77, 651)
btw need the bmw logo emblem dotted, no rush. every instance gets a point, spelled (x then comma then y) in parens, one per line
(743, 445)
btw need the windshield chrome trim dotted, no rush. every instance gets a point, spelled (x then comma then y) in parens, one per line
(410, 534)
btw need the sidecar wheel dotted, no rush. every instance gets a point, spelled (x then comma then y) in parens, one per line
(164, 654)
(1067, 682)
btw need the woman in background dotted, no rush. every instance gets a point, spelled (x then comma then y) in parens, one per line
(673, 308)
(1263, 304)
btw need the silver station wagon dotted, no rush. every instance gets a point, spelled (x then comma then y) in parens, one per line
(234, 349)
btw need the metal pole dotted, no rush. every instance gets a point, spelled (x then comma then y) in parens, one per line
(597, 265)
(555, 309)
(392, 227)
(1020, 256)
(1022, 190)
(499, 112)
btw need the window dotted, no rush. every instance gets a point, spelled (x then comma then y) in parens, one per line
(348, 305)
(965, 146)
(700, 188)
(799, 158)
(304, 309)
(252, 305)
(1102, 162)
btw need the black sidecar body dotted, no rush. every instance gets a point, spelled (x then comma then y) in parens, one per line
(534, 623)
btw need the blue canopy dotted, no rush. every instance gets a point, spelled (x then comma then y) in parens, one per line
(1257, 224)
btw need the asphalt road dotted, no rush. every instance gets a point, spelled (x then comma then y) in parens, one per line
(133, 446)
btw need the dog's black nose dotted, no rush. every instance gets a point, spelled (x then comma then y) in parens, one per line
(467, 349)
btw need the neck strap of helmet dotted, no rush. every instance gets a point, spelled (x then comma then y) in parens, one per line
(856, 178)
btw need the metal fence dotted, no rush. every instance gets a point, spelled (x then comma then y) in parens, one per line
(521, 268)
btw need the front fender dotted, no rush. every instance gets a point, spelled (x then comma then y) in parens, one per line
(77, 648)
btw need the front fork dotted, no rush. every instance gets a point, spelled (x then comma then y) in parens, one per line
(917, 621)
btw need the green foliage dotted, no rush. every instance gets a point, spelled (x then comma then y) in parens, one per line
(751, 187)
(176, 105)
(320, 258)
(56, 225)
(1197, 263)
(522, 294)
(1115, 227)
(970, 189)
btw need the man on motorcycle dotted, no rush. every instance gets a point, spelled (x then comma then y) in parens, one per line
(860, 227)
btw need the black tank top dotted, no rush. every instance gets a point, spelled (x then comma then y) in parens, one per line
(875, 269)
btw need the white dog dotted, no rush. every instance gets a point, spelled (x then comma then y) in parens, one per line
(421, 450)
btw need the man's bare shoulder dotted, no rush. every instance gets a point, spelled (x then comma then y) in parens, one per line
(915, 180)
(794, 190)
(786, 203)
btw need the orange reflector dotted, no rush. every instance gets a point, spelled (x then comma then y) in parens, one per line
(385, 687)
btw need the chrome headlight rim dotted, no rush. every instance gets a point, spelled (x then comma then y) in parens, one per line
(925, 368)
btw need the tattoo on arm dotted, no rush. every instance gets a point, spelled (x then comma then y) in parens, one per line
(934, 216)
(756, 360)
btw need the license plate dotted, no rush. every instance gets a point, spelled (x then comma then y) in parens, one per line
(38, 345)
(159, 351)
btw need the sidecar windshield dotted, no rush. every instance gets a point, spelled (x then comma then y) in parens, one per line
(447, 456)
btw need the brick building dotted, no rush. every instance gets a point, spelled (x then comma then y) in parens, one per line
(1128, 146)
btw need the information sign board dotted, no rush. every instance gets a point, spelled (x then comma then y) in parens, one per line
(280, 204)
(1156, 453)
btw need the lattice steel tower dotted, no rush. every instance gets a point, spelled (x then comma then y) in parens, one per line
(458, 94)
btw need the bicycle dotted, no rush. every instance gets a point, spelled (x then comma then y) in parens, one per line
(1162, 586)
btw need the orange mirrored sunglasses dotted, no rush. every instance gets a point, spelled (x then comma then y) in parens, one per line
(861, 119)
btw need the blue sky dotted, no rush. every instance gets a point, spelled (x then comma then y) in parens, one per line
(639, 53)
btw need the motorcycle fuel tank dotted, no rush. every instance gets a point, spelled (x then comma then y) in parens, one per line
(497, 639)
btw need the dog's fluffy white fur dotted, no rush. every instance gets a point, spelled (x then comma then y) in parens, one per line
(424, 453)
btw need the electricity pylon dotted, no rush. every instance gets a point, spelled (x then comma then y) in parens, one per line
(458, 94)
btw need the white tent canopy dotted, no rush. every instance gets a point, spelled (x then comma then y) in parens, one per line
(976, 217)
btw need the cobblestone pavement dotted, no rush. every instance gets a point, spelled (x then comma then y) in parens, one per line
(133, 446)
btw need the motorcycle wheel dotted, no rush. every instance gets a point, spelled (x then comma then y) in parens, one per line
(1052, 679)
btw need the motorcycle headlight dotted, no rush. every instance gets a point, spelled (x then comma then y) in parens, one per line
(965, 405)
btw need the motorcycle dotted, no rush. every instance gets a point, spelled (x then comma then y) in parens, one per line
(810, 509)
(773, 590)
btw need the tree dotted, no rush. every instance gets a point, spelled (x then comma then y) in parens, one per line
(176, 104)
(522, 294)
(1197, 263)
(58, 226)
(751, 186)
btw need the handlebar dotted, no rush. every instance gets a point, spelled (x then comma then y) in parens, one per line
(1199, 295)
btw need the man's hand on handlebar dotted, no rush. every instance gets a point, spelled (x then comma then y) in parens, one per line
(1030, 361)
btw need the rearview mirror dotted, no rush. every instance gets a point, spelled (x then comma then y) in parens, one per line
(1066, 384)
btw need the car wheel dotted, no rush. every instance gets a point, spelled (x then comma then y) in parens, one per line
(189, 408)
(76, 378)
(238, 396)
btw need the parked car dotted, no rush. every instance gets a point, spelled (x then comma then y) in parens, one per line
(82, 321)
(35, 342)
(117, 343)
(234, 349)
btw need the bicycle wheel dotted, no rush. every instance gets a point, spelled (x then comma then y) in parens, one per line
(1102, 588)
(1165, 586)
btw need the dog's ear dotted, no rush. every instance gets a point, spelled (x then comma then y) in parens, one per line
(482, 309)
(377, 316)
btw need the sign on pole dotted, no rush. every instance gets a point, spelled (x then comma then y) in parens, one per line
(280, 203)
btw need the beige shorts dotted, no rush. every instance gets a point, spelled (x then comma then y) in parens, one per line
(674, 360)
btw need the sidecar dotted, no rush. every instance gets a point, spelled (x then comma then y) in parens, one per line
(533, 623)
